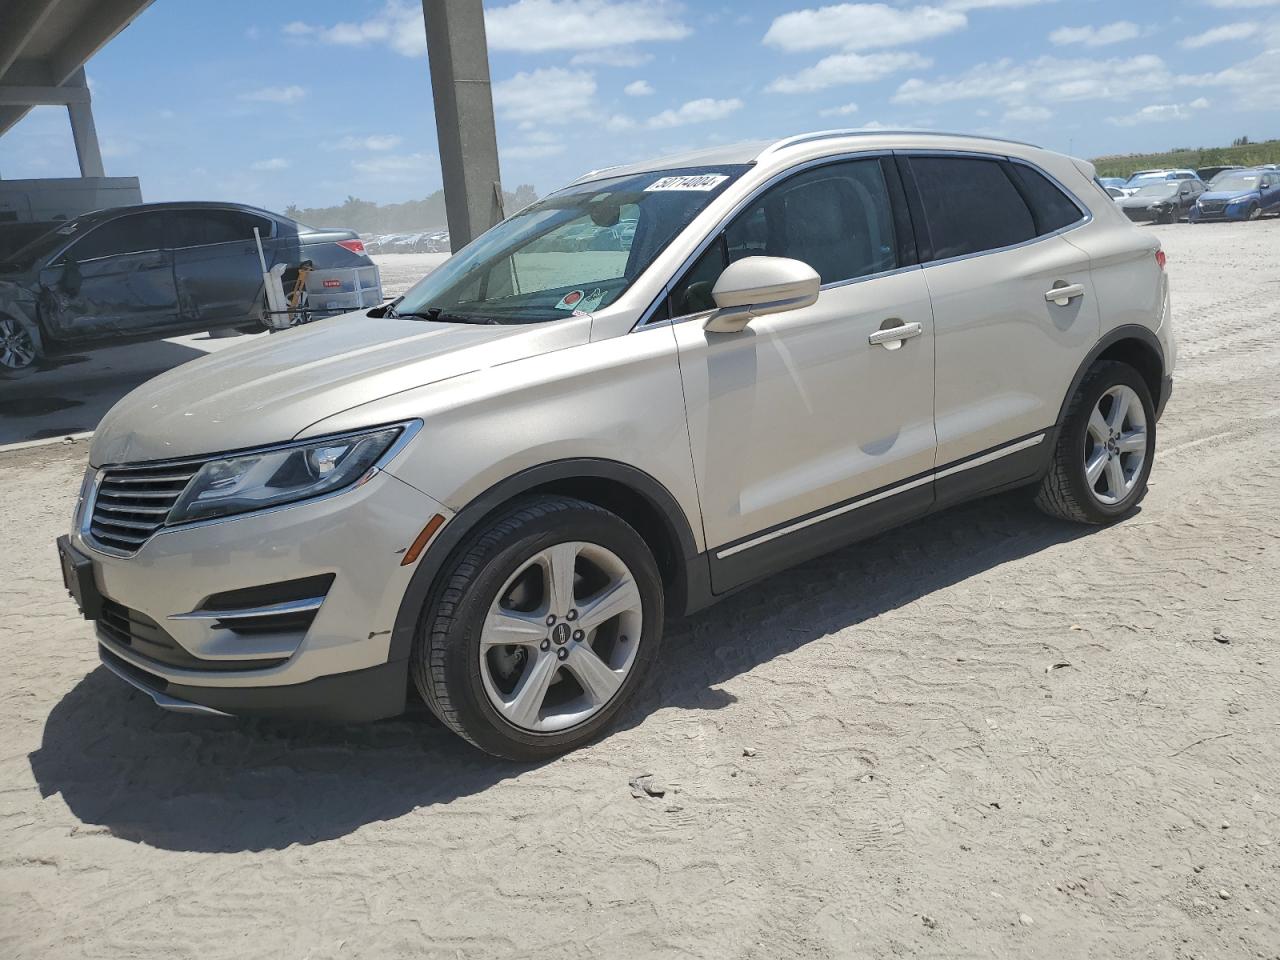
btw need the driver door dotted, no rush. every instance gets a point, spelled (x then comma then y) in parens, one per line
(804, 433)
(116, 280)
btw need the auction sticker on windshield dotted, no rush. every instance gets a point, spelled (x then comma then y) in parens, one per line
(698, 181)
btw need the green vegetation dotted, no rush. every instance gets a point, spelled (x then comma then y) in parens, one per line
(368, 218)
(1242, 152)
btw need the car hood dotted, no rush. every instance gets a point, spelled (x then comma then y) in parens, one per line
(1142, 202)
(269, 390)
(1228, 194)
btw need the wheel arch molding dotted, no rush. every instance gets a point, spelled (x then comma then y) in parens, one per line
(1133, 344)
(627, 491)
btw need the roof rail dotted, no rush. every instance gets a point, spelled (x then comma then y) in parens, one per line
(832, 134)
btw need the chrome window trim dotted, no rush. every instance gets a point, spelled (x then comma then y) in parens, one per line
(410, 429)
(741, 205)
(1084, 221)
(646, 321)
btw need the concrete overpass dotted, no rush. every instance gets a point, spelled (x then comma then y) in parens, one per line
(44, 45)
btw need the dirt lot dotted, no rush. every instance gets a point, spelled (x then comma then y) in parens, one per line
(986, 735)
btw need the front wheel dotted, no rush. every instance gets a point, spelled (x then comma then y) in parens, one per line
(1255, 213)
(17, 349)
(545, 626)
(1105, 448)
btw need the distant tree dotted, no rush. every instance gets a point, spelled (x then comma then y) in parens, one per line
(524, 195)
(1240, 142)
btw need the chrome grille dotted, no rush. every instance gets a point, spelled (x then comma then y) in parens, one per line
(132, 502)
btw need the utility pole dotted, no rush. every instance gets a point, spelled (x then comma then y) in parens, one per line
(458, 53)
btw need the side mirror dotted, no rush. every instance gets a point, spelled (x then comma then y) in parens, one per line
(757, 286)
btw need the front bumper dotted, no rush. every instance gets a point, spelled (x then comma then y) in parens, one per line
(1196, 215)
(157, 632)
(1144, 214)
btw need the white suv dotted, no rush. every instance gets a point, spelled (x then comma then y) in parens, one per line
(495, 489)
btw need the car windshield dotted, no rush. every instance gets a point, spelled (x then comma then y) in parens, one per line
(1162, 189)
(1138, 179)
(1236, 181)
(26, 256)
(575, 251)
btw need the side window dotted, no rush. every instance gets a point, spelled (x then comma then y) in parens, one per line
(131, 234)
(971, 205)
(836, 218)
(1050, 207)
(201, 227)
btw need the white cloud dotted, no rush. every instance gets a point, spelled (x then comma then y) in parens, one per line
(1243, 4)
(1255, 81)
(376, 142)
(397, 25)
(964, 5)
(401, 167)
(703, 110)
(111, 147)
(1160, 113)
(1222, 34)
(860, 26)
(619, 122)
(841, 111)
(1117, 32)
(549, 95)
(638, 88)
(290, 94)
(610, 57)
(846, 68)
(1028, 114)
(533, 26)
(533, 151)
(274, 163)
(1047, 78)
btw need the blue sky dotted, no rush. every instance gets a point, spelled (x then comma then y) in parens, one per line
(272, 103)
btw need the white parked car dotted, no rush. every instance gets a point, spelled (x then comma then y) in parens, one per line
(497, 489)
(1144, 178)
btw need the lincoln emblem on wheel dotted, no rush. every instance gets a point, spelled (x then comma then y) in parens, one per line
(480, 497)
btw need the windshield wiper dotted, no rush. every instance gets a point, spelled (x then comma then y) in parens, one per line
(443, 316)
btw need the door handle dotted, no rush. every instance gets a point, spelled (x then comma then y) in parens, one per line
(1063, 293)
(891, 337)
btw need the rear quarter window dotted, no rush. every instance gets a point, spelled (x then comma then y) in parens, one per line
(1050, 207)
(971, 205)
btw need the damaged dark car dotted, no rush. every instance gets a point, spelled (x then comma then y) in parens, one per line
(161, 270)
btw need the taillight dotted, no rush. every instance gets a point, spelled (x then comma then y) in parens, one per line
(1160, 258)
(355, 246)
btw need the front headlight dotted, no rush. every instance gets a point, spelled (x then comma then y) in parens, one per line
(269, 478)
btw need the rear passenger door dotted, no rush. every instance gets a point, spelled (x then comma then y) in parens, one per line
(798, 421)
(1006, 347)
(216, 266)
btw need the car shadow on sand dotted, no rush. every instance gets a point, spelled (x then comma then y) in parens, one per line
(213, 785)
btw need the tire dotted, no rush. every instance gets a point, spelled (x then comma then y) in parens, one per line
(1254, 213)
(18, 352)
(500, 584)
(1066, 491)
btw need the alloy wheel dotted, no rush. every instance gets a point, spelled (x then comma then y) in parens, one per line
(561, 637)
(16, 349)
(1115, 444)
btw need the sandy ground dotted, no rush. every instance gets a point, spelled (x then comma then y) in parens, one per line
(73, 393)
(986, 735)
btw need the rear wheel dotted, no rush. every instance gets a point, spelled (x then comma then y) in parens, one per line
(1105, 448)
(546, 625)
